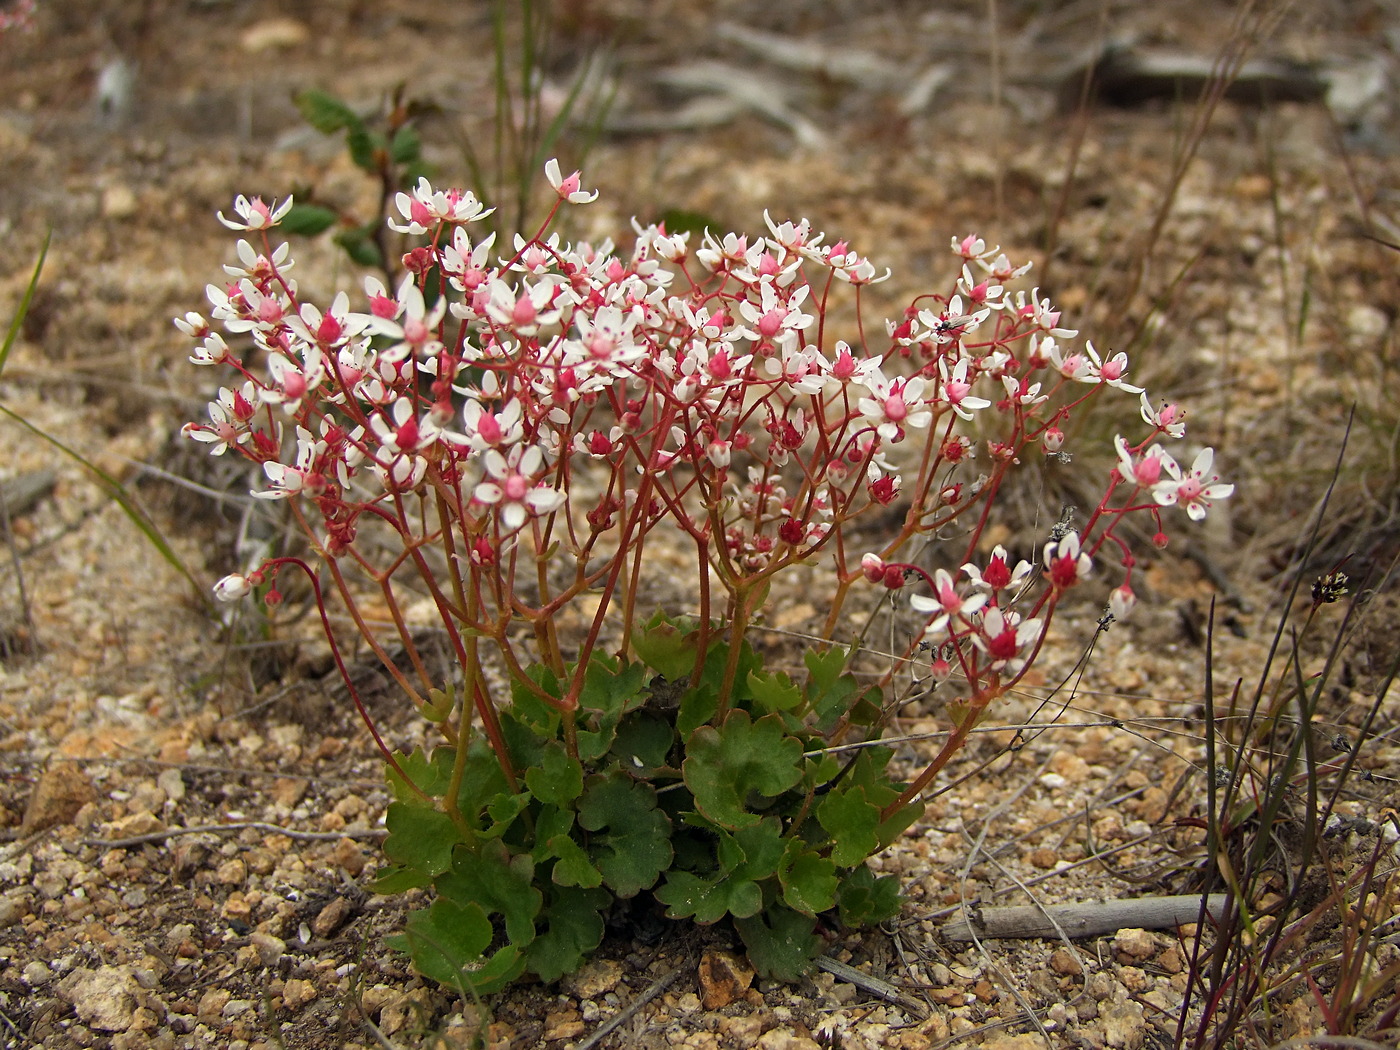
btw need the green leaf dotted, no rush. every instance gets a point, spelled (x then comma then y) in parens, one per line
(421, 837)
(326, 113)
(573, 928)
(643, 745)
(366, 147)
(745, 858)
(808, 879)
(573, 867)
(501, 884)
(554, 841)
(687, 895)
(853, 823)
(359, 245)
(829, 692)
(308, 220)
(407, 146)
(608, 694)
(862, 899)
(774, 692)
(637, 846)
(430, 774)
(447, 940)
(761, 850)
(667, 646)
(393, 878)
(557, 779)
(723, 766)
(529, 709)
(780, 942)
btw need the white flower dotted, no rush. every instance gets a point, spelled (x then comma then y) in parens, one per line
(233, 587)
(1193, 490)
(255, 214)
(1065, 563)
(514, 489)
(568, 189)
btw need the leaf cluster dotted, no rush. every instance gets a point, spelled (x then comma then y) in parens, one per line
(743, 817)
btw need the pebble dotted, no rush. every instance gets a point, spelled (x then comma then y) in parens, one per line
(102, 998)
(724, 977)
(331, 918)
(274, 34)
(61, 790)
(594, 980)
(297, 992)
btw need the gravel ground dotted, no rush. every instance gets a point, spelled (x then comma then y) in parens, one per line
(191, 828)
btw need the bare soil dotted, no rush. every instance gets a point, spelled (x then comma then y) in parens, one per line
(126, 719)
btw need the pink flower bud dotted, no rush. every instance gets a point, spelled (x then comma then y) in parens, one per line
(873, 567)
(1053, 439)
(894, 577)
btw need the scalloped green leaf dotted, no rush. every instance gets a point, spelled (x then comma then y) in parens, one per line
(863, 899)
(430, 773)
(724, 766)
(687, 895)
(774, 692)
(853, 822)
(609, 692)
(636, 848)
(781, 943)
(573, 928)
(808, 879)
(829, 691)
(447, 940)
(501, 884)
(643, 744)
(421, 837)
(557, 779)
(666, 646)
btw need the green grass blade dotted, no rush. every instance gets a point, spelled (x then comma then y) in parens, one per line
(117, 491)
(24, 303)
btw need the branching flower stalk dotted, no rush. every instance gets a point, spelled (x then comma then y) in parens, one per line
(506, 433)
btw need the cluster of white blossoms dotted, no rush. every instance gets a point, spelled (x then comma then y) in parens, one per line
(704, 378)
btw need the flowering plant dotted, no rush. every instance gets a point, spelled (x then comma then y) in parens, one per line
(499, 443)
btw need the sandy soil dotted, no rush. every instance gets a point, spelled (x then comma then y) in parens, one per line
(126, 719)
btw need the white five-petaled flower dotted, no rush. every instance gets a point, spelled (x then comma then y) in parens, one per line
(413, 326)
(956, 390)
(514, 488)
(426, 208)
(1113, 370)
(401, 431)
(258, 267)
(998, 576)
(1065, 563)
(292, 480)
(894, 404)
(1005, 637)
(1193, 489)
(256, 215)
(228, 419)
(567, 188)
(1145, 470)
(945, 603)
(1170, 419)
